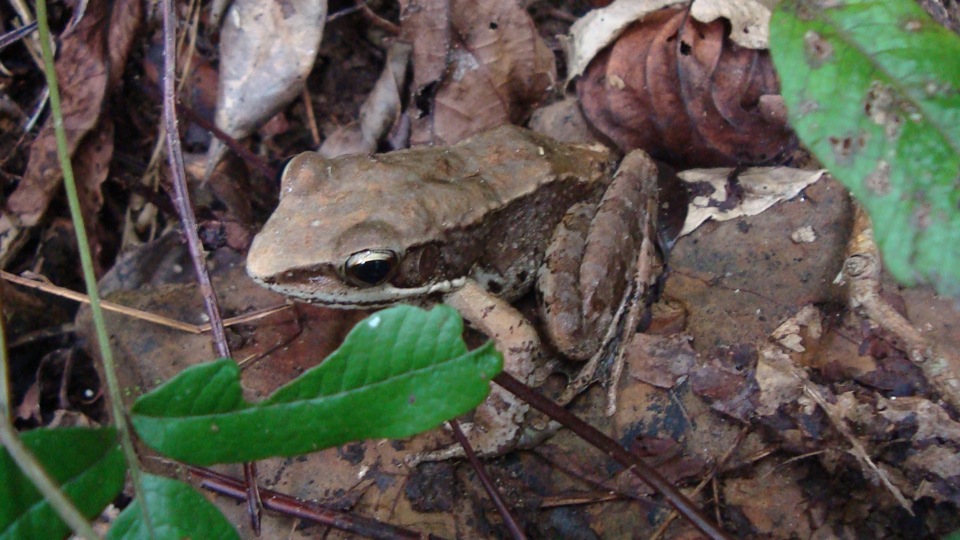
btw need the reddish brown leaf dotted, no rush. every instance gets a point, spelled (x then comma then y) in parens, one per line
(681, 90)
(467, 102)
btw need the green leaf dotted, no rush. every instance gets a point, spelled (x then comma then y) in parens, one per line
(873, 90)
(401, 371)
(86, 463)
(176, 511)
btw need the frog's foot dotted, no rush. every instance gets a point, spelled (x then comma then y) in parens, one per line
(494, 431)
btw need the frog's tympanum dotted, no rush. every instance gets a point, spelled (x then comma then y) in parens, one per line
(474, 225)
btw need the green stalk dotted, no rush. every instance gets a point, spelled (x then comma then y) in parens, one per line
(86, 262)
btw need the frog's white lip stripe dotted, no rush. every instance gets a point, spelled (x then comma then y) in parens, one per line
(363, 298)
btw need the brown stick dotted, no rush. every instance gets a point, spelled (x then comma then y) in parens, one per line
(613, 449)
(188, 221)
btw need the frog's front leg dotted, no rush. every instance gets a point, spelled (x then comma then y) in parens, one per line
(496, 422)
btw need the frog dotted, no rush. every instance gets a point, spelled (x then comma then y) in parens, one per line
(475, 225)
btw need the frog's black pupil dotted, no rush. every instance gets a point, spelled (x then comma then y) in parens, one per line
(372, 272)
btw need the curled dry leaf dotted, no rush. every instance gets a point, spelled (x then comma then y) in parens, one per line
(599, 28)
(92, 55)
(267, 49)
(749, 25)
(493, 70)
(683, 91)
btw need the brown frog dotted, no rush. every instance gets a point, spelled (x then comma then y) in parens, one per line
(475, 225)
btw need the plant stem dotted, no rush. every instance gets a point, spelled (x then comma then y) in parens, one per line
(86, 263)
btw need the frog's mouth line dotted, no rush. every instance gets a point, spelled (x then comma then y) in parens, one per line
(352, 298)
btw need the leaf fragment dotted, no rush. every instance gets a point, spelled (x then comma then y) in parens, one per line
(86, 463)
(176, 511)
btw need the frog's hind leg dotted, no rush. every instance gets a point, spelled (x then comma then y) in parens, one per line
(618, 336)
(618, 263)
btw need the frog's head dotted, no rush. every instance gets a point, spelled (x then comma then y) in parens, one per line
(351, 232)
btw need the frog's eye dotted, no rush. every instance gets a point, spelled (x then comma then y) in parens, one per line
(370, 267)
(282, 170)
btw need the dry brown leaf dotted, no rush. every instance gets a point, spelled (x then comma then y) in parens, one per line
(467, 101)
(126, 19)
(683, 91)
(749, 22)
(426, 24)
(82, 76)
(379, 114)
(660, 360)
(101, 40)
(267, 49)
(779, 516)
(494, 69)
(91, 165)
(931, 420)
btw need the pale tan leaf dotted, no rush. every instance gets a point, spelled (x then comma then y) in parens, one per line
(762, 188)
(749, 19)
(600, 27)
(267, 49)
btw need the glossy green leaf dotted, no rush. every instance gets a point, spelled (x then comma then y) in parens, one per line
(176, 511)
(873, 90)
(86, 463)
(401, 371)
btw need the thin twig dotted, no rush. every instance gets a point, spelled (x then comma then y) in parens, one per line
(108, 306)
(181, 199)
(16, 35)
(140, 314)
(491, 490)
(311, 116)
(252, 160)
(377, 20)
(287, 505)
(613, 449)
(33, 44)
